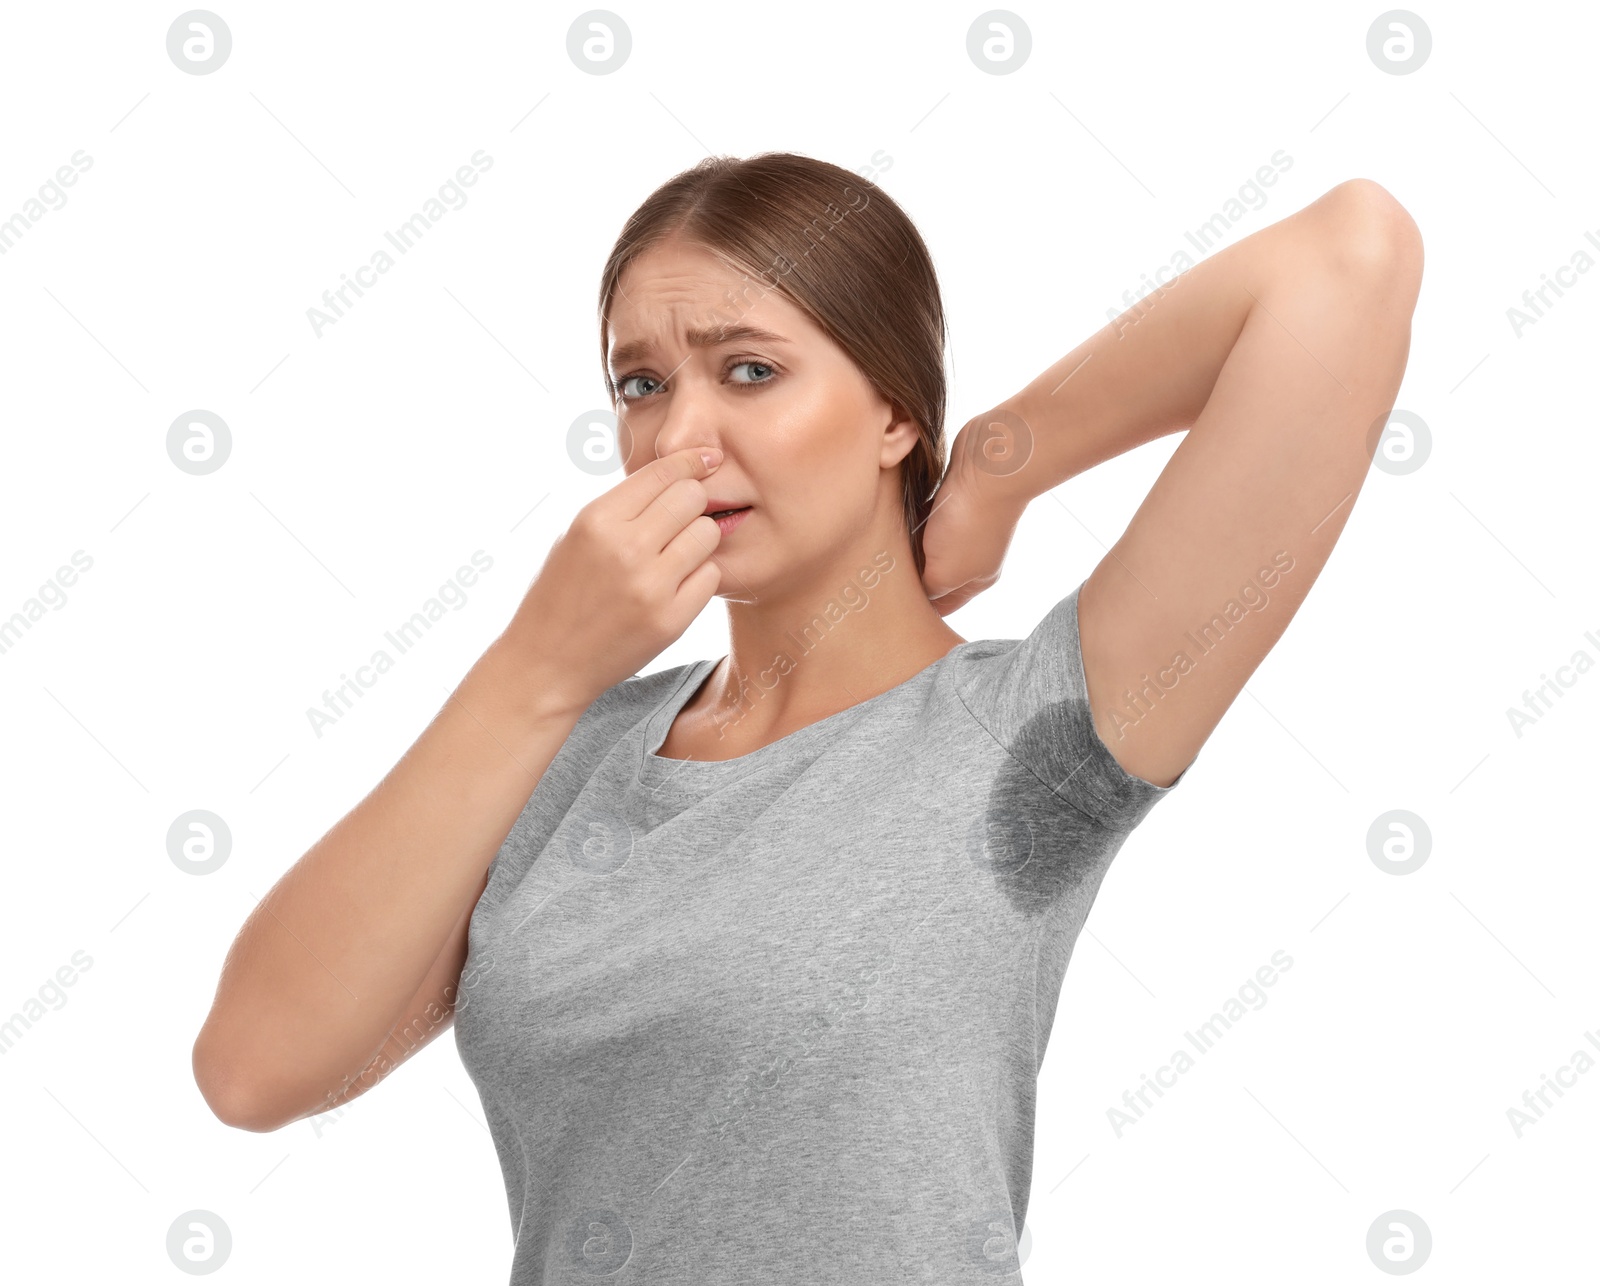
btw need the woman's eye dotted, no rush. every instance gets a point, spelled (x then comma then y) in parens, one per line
(759, 365)
(622, 384)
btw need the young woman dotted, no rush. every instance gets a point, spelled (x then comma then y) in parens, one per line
(754, 960)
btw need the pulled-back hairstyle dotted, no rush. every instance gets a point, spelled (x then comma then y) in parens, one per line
(839, 249)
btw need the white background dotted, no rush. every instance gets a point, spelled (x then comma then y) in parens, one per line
(367, 464)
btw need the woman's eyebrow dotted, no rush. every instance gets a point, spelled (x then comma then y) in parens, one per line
(700, 337)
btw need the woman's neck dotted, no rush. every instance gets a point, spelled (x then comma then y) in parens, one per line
(801, 657)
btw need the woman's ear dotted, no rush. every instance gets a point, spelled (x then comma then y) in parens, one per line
(900, 435)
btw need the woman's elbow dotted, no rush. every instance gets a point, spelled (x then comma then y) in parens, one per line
(229, 1096)
(1371, 236)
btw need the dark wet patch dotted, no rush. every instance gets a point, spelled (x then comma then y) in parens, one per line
(1039, 844)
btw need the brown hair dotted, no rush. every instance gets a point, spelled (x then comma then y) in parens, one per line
(835, 246)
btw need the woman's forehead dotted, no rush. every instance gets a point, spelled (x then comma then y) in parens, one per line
(683, 304)
(676, 260)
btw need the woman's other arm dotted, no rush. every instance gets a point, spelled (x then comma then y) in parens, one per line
(347, 945)
(366, 933)
(1282, 355)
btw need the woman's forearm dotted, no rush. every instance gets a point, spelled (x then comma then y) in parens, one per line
(1152, 370)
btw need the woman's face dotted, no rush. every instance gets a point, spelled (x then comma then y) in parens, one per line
(807, 443)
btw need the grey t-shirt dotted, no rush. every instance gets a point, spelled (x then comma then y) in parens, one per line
(780, 1018)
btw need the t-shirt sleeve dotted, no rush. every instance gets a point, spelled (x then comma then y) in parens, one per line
(594, 733)
(1032, 697)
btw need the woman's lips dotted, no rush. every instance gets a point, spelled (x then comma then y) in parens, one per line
(726, 522)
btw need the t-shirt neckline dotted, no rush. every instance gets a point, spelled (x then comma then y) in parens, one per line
(656, 768)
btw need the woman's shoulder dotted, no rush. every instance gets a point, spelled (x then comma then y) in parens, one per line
(636, 695)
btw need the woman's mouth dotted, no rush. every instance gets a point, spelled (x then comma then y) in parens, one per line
(728, 518)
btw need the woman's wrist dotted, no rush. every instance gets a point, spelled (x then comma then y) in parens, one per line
(996, 454)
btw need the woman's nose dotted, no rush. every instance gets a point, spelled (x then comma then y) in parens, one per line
(689, 422)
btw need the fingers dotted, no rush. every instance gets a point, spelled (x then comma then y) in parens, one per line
(690, 548)
(637, 494)
(952, 601)
(671, 512)
(697, 589)
(945, 601)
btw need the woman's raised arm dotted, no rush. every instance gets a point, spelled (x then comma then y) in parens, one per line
(1282, 355)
